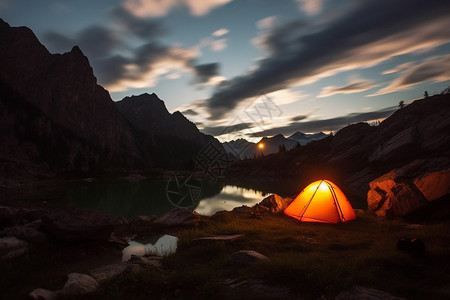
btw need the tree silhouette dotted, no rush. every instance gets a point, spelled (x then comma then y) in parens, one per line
(425, 95)
(401, 104)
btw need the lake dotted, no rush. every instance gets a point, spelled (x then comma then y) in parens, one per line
(150, 196)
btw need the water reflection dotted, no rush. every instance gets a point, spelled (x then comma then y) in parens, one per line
(163, 246)
(229, 198)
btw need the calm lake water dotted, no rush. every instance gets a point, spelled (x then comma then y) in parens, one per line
(150, 196)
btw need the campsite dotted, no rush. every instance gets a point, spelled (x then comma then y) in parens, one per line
(225, 149)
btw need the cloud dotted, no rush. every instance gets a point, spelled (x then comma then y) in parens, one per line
(332, 124)
(160, 8)
(205, 72)
(398, 68)
(142, 28)
(432, 69)
(311, 7)
(373, 32)
(266, 23)
(232, 131)
(96, 41)
(220, 32)
(351, 88)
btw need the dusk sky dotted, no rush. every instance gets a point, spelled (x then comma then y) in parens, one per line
(254, 68)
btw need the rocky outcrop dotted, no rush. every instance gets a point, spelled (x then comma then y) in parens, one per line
(172, 138)
(55, 114)
(275, 203)
(179, 217)
(79, 285)
(405, 190)
(79, 224)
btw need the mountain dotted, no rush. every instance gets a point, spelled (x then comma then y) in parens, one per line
(54, 112)
(304, 138)
(55, 119)
(171, 137)
(244, 149)
(416, 135)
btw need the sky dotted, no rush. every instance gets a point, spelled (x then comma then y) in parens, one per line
(255, 68)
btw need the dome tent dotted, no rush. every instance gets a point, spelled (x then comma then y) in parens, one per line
(321, 201)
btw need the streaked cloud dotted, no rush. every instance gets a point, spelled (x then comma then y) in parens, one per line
(371, 33)
(432, 69)
(311, 7)
(356, 86)
(332, 124)
(398, 68)
(266, 23)
(220, 32)
(160, 8)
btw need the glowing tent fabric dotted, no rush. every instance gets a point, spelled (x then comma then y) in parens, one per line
(321, 201)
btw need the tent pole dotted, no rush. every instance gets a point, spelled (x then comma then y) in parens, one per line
(309, 202)
(336, 202)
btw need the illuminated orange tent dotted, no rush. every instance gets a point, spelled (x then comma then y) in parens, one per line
(321, 201)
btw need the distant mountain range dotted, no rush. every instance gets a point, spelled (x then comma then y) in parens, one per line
(56, 119)
(242, 148)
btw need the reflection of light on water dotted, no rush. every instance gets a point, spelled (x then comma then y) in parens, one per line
(165, 245)
(229, 198)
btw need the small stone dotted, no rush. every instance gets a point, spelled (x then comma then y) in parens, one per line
(43, 294)
(105, 273)
(11, 247)
(246, 257)
(79, 284)
(179, 217)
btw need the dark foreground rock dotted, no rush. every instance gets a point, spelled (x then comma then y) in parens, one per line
(79, 224)
(11, 247)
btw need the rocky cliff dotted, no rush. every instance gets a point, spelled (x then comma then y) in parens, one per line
(171, 138)
(55, 118)
(54, 114)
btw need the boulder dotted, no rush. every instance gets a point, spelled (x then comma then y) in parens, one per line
(359, 292)
(105, 273)
(246, 257)
(79, 224)
(11, 247)
(179, 217)
(43, 294)
(434, 185)
(79, 285)
(404, 191)
(28, 233)
(275, 203)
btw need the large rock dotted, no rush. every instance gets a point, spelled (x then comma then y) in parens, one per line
(79, 285)
(79, 224)
(246, 257)
(179, 217)
(434, 185)
(275, 203)
(26, 232)
(11, 247)
(105, 273)
(43, 294)
(406, 190)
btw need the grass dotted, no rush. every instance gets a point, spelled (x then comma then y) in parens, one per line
(306, 259)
